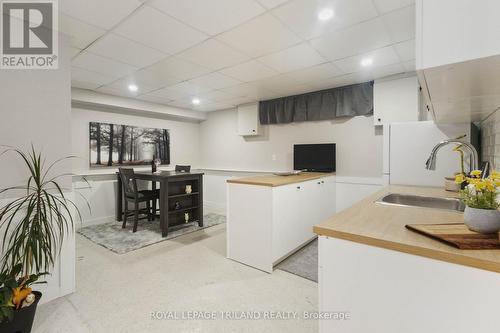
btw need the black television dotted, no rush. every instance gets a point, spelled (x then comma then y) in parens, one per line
(314, 157)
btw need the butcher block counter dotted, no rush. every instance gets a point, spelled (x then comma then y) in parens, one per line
(275, 180)
(381, 225)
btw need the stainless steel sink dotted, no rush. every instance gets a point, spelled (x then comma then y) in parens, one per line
(407, 200)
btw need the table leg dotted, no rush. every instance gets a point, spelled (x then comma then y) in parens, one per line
(153, 187)
(119, 200)
(164, 207)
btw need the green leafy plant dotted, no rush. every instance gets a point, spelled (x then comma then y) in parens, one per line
(35, 223)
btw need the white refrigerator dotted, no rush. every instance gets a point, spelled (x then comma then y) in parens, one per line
(408, 145)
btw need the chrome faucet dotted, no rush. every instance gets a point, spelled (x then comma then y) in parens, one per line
(474, 159)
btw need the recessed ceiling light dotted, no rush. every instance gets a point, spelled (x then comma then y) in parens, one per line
(195, 101)
(366, 62)
(325, 14)
(133, 87)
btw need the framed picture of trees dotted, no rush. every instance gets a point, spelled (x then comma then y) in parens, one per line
(121, 145)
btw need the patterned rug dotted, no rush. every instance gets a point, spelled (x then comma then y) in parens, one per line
(114, 238)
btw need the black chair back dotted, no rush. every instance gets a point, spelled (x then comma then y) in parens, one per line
(182, 168)
(129, 182)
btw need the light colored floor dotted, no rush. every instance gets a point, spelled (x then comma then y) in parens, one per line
(117, 293)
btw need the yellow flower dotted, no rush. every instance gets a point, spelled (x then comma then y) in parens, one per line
(480, 185)
(460, 178)
(476, 173)
(495, 175)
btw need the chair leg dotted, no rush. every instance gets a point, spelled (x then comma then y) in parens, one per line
(136, 216)
(148, 208)
(125, 214)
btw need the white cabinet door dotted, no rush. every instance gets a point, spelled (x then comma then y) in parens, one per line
(327, 198)
(310, 210)
(248, 119)
(395, 100)
(286, 219)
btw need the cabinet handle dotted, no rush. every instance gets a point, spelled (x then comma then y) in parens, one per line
(379, 120)
(322, 182)
(253, 131)
(298, 187)
(319, 183)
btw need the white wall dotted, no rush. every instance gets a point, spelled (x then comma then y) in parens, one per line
(184, 136)
(359, 144)
(36, 108)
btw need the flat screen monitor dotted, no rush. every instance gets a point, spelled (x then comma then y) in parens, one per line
(314, 157)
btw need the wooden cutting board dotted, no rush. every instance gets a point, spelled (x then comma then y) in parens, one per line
(458, 235)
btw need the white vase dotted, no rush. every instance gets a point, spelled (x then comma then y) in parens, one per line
(485, 221)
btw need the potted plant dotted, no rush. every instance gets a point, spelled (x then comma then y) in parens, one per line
(33, 226)
(480, 197)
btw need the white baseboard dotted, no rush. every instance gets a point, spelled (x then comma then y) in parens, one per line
(100, 220)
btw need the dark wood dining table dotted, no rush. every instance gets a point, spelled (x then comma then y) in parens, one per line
(167, 181)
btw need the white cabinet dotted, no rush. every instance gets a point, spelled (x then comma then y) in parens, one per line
(248, 119)
(266, 224)
(458, 58)
(395, 100)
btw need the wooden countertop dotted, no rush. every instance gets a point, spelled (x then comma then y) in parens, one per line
(274, 180)
(383, 226)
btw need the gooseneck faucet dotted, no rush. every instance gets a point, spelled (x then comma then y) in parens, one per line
(474, 159)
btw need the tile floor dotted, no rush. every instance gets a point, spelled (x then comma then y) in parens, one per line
(118, 293)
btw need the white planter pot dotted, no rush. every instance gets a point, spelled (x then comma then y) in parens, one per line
(485, 221)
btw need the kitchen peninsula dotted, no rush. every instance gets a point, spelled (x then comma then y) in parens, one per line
(270, 217)
(391, 279)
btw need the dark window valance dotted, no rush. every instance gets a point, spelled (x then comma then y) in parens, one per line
(348, 101)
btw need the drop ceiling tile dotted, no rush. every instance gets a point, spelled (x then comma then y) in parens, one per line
(124, 50)
(282, 85)
(152, 78)
(84, 85)
(155, 29)
(120, 88)
(81, 34)
(212, 17)
(154, 99)
(380, 57)
(271, 3)
(241, 100)
(188, 88)
(183, 104)
(343, 80)
(353, 40)
(302, 15)
(409, 66)
(215, 81)
(73, 51)
(293, 58)
(168, 94)
(83, 75)
(178, 68)
(250, 90)
(406, 50)
(214, 55)
(102, 65)
(103, 14)
(260, 36)
(217, 96)
(315, 73)
(401, 24)
(384, 71)
(249, 71)
(385, 6)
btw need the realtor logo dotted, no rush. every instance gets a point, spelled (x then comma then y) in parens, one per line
(29, 34)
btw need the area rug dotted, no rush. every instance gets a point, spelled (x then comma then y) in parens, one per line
(114, 238)
(303, 263)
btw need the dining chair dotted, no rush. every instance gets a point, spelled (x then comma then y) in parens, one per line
(136, 197)
(182, 168)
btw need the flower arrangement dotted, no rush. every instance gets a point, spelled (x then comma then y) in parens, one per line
(480, 193)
